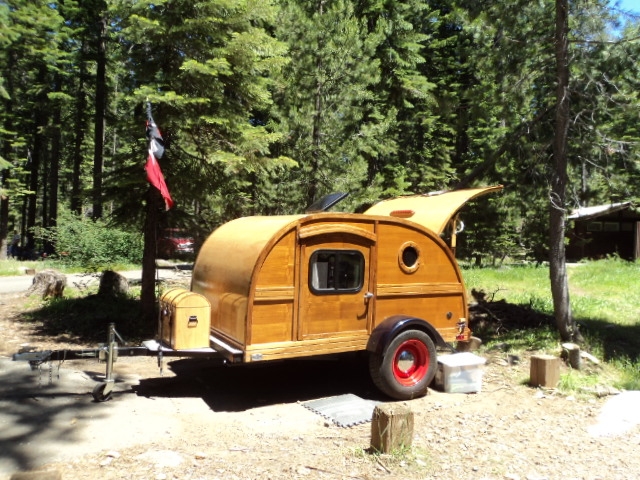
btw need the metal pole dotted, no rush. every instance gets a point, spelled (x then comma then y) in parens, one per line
(111, 342)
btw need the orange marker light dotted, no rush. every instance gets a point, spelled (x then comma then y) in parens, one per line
(402, 213)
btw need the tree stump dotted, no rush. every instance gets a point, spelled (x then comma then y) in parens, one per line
(572, 352)
(113, 284)
(470, 346)
(391, 427)
(48, 283)
(545, 371)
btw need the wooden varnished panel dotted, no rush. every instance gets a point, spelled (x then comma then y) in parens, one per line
(336, 314)
(231, 317)
(277, 269)
(433, 291)
(225, 270)
(433, 309)
(337, 223)
(271, 317)
(435, 263)
(272, 321)
(418, 289)
(320, 346)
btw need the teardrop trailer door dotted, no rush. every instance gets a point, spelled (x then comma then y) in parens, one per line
(335, 293)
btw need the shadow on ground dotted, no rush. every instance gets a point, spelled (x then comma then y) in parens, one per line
(40, 411)
(243, 387)
(43, 416)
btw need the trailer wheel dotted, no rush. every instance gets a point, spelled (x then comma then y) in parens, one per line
(98, 393)
(408, 366)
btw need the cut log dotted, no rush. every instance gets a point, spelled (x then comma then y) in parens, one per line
(471, 345)
(113, 284)
(391, 427)
(572, 353)
(48, 283)
(545, 371)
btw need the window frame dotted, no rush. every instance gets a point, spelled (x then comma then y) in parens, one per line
(401, 259)
(337, 253)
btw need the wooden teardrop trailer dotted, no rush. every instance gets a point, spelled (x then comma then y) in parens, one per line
(384, 281)
(270, 288)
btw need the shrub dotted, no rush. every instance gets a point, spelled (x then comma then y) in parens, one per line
(92, 244)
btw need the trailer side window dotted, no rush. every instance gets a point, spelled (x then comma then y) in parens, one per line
(409, 257)
(332, 271)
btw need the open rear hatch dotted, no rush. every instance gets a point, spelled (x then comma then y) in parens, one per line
(431, 210)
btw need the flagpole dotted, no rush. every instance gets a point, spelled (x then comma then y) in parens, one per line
(157, 188)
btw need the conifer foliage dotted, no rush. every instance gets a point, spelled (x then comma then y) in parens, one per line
(266, 105)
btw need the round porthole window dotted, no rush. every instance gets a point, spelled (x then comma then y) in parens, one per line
(409, 257)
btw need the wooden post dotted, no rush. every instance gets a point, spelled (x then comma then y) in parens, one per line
(391, 427)
(545, 371)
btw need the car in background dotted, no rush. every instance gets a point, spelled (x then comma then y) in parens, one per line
(175, 243)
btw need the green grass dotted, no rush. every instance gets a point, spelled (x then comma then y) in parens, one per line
(408, 460)
(518, 284)
(605, 301)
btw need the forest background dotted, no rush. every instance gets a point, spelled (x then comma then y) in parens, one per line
(266, 105)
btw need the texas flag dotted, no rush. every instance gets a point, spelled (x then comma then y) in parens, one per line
(156, 150)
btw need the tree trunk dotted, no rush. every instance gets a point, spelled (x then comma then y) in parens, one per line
(80, 127)
(316, 134)
(37, 159)
(557, 261)
(4, 220)
(51, 215)
(148, 291)
(4, 214)
(6, 150)
(100, 103)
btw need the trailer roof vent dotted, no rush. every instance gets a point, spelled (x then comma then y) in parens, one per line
(326, 202)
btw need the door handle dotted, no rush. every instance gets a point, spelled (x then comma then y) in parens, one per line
(368, 295)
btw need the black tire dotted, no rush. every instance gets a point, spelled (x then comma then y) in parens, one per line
(407, 368)
(98, 393)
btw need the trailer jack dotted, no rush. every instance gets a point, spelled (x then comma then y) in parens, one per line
(102, 391)
(105, 352)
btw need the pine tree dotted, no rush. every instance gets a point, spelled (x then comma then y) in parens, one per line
(324, 104)
(30, 60)
(206, 67)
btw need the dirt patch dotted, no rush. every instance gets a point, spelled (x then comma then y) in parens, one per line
(205, 421)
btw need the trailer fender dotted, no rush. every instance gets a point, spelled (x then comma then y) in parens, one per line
(384, 333)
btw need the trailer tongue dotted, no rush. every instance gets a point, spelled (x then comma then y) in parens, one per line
(111, 351)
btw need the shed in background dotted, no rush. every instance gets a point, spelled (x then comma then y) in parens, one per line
(602, 230)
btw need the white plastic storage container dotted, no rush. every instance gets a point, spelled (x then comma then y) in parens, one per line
(460, 373)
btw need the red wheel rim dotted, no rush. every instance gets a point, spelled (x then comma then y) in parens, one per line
(410, 362)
